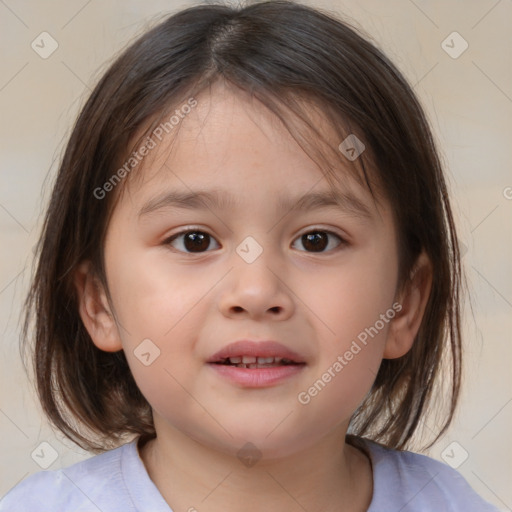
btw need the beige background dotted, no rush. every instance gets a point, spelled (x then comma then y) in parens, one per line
(469, 102)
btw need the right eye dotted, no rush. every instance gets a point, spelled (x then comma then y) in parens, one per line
(190, 241)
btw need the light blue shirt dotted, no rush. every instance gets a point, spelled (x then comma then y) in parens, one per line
(117, 481)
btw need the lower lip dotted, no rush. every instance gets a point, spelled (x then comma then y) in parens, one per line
(257, 377)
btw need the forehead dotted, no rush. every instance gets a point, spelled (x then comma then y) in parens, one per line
(230, 137)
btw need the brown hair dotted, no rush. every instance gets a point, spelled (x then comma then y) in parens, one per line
(281, 53)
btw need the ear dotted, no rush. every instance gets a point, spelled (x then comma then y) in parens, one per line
(413, 300)
(95, 310)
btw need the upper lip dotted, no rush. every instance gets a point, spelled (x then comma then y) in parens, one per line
(256, 349)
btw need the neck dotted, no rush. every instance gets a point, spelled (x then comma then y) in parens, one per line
(329, 476)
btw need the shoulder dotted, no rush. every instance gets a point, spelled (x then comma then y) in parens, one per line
(413, 482)
(92, 484)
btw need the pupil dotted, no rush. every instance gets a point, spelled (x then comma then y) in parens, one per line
(195, 241)
(317, 241)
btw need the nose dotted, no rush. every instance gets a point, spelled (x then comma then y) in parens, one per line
(258, 291)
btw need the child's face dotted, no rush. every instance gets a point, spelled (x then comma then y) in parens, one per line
(191, 305)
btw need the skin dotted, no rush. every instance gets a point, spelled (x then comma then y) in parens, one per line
(192, 304)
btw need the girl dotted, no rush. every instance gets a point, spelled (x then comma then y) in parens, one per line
(248, 278)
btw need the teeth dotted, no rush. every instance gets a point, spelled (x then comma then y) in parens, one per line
(266, 360)
(254, 362)
(251, 360)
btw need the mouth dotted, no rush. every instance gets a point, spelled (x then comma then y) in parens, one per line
(252, 362)
(257, 364)
(255, 355)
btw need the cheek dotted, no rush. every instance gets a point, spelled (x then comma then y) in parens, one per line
(162, 303)
(352, 310)
(153, 299)
(351, 297)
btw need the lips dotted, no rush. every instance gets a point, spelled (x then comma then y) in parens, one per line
(256, 354)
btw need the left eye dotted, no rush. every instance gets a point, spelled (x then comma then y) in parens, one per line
(193, 240)
(318, 240)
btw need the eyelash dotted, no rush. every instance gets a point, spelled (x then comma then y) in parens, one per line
(172, 238)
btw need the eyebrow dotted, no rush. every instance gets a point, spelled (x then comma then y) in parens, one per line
(217, 199)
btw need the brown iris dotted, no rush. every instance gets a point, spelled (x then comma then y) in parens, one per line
(196, 241)
(317, 241)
